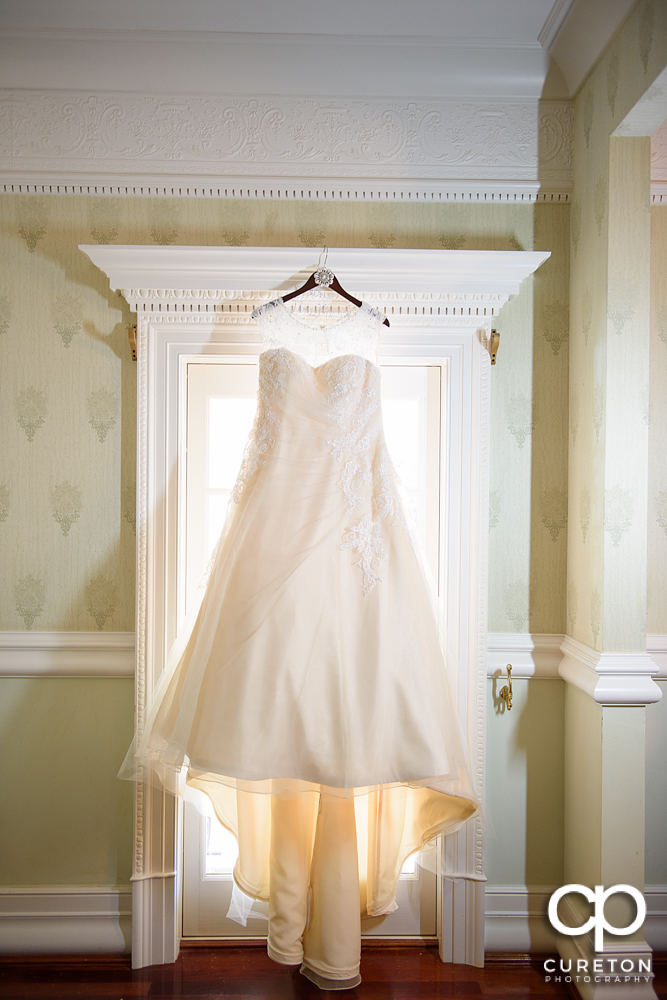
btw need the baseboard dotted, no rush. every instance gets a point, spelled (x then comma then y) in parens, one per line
(78, 920)
(516, 919)
(655, 927)
(65, 920)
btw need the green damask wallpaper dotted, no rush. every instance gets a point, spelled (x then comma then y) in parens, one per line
(656, 622)
(67, 391)
(609, 352)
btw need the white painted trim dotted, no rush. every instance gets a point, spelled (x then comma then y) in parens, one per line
(656, 647)
(65, 920)
(112, 654)
(39, 920)
(516, 919)
(151, 273)
(457, 191)
(554, 22)
(609, 678)
(67, 654)
(659, 192)
(470, 148)
(655, 926)
(531, 654)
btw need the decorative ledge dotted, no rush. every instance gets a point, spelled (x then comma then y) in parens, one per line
(66, 654)
(185, 278)
(609, 678)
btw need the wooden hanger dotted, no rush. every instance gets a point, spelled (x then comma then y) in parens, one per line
(325, 278)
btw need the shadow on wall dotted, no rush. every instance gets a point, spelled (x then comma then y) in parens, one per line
(524, 813)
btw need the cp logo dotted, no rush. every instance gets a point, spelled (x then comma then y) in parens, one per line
(598, 897)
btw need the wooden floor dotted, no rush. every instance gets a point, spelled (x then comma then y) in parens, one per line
(246, 973)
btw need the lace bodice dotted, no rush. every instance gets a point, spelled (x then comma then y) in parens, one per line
(356, 333)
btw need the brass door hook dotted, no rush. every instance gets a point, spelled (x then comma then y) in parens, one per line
(506, 692)
(132, 337)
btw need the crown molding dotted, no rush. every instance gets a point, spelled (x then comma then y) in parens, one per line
(554, 23)
(73, 142)
(308, 39)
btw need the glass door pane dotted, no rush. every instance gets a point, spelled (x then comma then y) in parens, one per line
(221, 406)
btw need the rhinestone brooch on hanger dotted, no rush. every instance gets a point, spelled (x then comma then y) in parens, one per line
(323, 276)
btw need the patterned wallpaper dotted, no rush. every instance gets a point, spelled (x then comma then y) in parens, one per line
(657, 470)
(609, 359)
(67, 391)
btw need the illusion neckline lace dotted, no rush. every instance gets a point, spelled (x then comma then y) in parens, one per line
(356, 333)
(351, 316)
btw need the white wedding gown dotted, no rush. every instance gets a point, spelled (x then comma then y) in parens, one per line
(313, 663)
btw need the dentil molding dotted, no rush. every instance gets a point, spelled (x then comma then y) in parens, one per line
(280, 147)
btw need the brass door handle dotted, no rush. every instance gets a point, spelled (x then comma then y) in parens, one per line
(506, 692)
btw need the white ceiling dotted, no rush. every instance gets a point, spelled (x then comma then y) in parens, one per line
(342, 48)
(516, 20)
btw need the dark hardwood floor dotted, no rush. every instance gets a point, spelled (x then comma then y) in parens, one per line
(246, 973)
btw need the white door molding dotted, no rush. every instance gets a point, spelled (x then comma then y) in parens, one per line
(441, 304)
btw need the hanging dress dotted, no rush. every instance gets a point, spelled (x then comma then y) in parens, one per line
(312, 664)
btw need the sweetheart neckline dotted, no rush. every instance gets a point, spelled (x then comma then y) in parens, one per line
(316, 368)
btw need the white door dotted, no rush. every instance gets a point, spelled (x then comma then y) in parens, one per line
(221, 398)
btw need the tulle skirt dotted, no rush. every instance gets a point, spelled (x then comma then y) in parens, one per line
(287, 679)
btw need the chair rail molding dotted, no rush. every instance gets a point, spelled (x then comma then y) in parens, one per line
(610, 678)
(67, 654)
(531, 655)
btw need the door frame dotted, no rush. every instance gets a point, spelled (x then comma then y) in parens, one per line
(192, 301)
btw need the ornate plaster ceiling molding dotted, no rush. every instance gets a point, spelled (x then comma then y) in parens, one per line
(254, 147)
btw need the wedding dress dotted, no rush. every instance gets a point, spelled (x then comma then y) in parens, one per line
(311, 672)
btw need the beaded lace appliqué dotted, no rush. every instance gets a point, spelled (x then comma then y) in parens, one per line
(274, 367)
(354, 397)
(366, 538)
